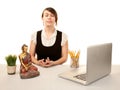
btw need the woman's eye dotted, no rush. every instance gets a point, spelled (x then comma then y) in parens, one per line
(46, 15)
(52, 15)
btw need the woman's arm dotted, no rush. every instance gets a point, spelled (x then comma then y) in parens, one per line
(32, 53)
(64, 54)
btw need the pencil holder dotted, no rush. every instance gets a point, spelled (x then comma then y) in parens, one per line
(74, 58)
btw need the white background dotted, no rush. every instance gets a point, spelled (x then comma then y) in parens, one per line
(85, 22)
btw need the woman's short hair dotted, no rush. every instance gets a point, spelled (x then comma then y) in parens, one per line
(53, 11)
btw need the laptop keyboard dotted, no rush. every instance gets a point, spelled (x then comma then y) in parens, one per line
(81, 77)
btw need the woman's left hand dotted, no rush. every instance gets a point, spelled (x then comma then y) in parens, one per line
(48, 62)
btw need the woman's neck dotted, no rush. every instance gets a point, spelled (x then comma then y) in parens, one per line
(49, 29)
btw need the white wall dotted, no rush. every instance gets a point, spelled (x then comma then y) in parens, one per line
(84, 21)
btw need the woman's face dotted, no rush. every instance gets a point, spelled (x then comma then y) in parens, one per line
(48, 18)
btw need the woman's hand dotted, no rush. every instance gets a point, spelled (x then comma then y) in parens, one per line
(45, 63)
(41, 62)
(48, 62)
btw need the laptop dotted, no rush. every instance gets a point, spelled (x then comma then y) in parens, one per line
(98, 65)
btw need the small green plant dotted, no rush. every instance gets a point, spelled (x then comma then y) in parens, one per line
(11, 60)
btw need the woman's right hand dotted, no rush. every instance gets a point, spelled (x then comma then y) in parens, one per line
(41, 62)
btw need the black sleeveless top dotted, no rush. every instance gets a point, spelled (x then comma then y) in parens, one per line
(53, 52)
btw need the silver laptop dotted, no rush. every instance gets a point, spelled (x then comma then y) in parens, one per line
(98, 65)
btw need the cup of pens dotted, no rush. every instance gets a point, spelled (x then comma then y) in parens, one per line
(74, 55)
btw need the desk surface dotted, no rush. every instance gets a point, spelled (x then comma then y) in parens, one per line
(49, 80)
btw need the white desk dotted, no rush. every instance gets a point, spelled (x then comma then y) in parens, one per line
(49, 80)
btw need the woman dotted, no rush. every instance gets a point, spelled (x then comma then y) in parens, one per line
(50, 45)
